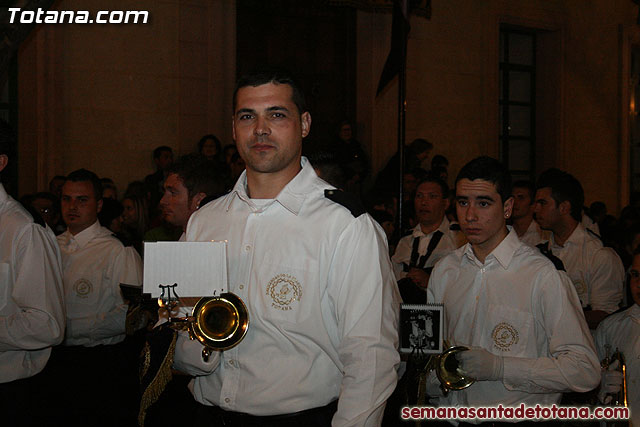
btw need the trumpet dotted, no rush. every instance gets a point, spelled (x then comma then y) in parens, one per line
(619, 398)
(448, 370)
(218, 322)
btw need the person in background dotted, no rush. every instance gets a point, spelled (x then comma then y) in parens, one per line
(210, 148)
(135, 219)
(596, 272)
(621, 331)
(95, 263)
(522, 220)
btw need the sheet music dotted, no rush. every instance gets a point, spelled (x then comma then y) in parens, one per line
(199, 268)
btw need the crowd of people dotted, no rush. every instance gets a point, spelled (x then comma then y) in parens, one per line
(526, 274)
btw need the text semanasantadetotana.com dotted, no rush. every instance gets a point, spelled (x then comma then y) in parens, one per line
(522, 412)
(41, 16)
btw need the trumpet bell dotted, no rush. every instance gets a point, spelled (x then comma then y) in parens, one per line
(448, 372)
(220, 322)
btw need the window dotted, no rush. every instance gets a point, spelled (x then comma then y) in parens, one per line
(517, 101)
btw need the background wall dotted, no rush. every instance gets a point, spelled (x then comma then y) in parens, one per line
(103, 96)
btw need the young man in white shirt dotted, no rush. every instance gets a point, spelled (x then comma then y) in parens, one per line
(94, 264)
(502, 298)
(314, 271)
(526, 227)
(596, 272)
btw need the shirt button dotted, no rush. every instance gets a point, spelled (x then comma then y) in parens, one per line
(231, 362)
(241, 287)
(247, 248)
(227, 400)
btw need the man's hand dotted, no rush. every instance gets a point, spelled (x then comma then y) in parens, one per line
(419, 277)
(478, 363)
(610, 383)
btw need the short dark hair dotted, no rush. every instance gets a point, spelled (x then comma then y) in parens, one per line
(439, 161)
(275, 75)
(198, 175)
(157, 152)
(436, 180)
(213, 138)
(564, 187)
(527, 185)
(488, 169)
(48, 196)
(420, 145)
(84, 175)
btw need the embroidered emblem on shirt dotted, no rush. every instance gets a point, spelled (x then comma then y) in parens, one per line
(504, 336)
(581, 289)
(284, 289)
(83, 288)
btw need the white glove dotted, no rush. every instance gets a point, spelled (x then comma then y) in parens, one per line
(434, 389)
(478, 363)
(610, 383)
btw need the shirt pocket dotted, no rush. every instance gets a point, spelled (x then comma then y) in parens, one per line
(83, 294)
(508, 331)
(287, 294)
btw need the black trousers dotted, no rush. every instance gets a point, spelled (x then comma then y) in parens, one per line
(315, 417)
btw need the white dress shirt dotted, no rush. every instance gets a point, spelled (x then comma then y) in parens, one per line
(515, 305)
(596, 272)
(323, 306)
(448, 243)
(94, 264)
(534, 235)
(622, 331)
(31, 304)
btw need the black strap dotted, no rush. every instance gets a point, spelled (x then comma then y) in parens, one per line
(418, 261)
(435, 239)
(545, 249)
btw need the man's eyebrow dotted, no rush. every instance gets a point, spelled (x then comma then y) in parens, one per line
(245, 110)
(462, 197)
(278, 108)
(489, 198)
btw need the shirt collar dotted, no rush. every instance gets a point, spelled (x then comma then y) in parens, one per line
(577, 237)
(503, 253)
(83, 237)
(634, 312)
(443, 228)
(3, 194)
(292, 195)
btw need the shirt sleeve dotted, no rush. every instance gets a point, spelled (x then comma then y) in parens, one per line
(607, 281)
(126, 268)
(366, 300)
(401, 255)
(188, 357)
(33, 316)
(572, 364)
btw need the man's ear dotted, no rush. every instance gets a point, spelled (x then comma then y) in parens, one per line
(305, 120)
(99, 205)
(195, 201)
(4, 161)
(565, 208)
(508, 207)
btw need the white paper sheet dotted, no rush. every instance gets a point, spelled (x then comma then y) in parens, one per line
(199, 268)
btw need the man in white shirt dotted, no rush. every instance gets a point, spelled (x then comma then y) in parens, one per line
(596, 272)
(507, 302)
(314, 271)
(525, 226)
(621, 331)
(189, 181)
(94, 264)
(430, 240)
(31, 303)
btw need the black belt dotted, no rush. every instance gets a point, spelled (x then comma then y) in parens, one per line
(214, 415)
